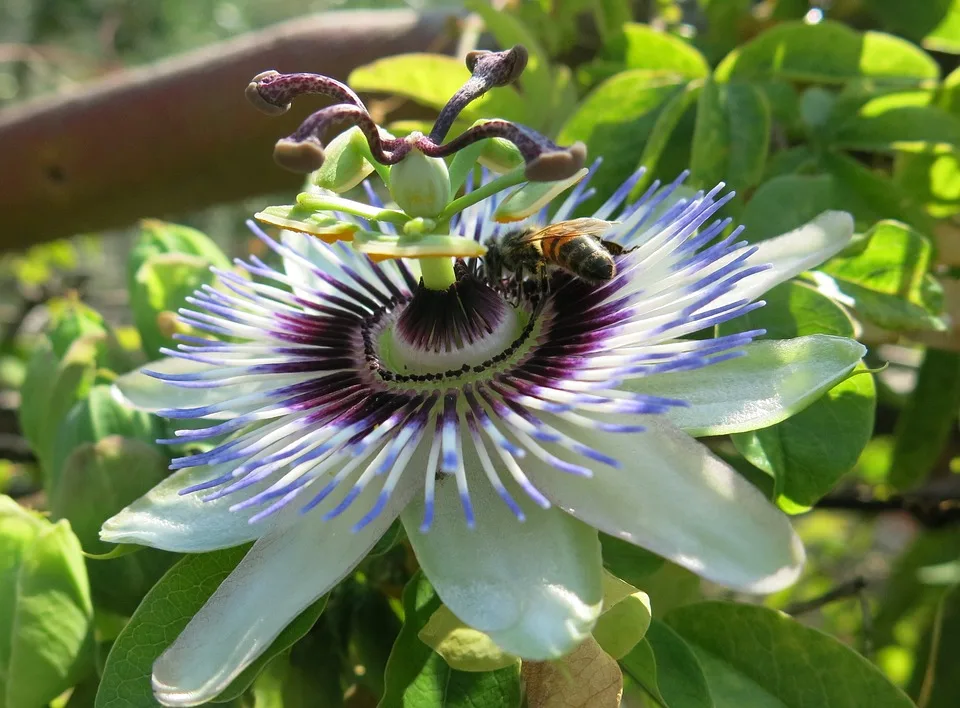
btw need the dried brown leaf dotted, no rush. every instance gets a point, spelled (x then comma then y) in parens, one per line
(587, 678)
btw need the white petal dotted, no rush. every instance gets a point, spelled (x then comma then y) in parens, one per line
(792, 253)
(675, 498)
(162, 518)
(534, 587)
(772, 381)
(284, 572)
(148, 393)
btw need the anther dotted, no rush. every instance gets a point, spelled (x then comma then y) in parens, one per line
(299, 156)
(252, 93)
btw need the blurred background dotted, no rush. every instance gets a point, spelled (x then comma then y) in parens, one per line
(113, 111)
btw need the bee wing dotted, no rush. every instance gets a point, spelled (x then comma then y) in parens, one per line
(573, 227)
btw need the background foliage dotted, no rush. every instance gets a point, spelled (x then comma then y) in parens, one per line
(800, 107)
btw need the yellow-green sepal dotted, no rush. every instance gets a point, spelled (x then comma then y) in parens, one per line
(533, 196)
(625, 618)
(306, 221)
(463, 648)
(346, 164)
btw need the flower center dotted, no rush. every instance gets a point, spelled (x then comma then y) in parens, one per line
(438, 334)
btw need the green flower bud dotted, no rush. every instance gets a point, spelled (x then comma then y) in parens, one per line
(161, 285)
(71, 320)
(96, 483)
(420, 185)
(44, 594)
(94, 418)
(51, 388)
(345, 165)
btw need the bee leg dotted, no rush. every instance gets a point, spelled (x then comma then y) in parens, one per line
(544, 280)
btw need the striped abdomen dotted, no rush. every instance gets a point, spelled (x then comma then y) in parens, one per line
(584, 256)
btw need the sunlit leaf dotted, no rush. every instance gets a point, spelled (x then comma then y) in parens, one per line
(784, 203)
(732, 135)
(431, 79)
(615, 121)
(927, 420)
(828, 52)
(754, 656)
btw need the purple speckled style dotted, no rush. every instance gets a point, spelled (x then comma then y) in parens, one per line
(319, 404)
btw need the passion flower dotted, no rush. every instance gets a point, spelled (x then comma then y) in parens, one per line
(503, 423)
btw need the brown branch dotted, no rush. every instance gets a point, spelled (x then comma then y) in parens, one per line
(178, 135)
(850, 588)
(933, 506)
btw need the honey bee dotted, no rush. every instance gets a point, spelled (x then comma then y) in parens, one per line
(574, 246)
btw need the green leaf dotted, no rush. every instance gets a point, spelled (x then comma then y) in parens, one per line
(830, 53)
(949, 94)
(905, 602)
(753, 656)
(92, 419)
(46, 615)
(158, 237)
(164, 613)
(661, 55)
(615, 121)
(431, 79)
(72, 320)
(931, 180)
(927, 421)
(96, 483)
(871, 196)
(723, 22)
(417, 677)
(796, 160)
(887, 279)
(536, 79)
(924, 129)
(807, 453)
(51, 388)
(732, 135)
(663, 128)
(785, 203)
(162, 285)
(668, 669)
(309, 674)
(934, 24)
(373, 629)
(939, 684)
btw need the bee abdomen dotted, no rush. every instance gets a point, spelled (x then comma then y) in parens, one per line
(587, 259)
